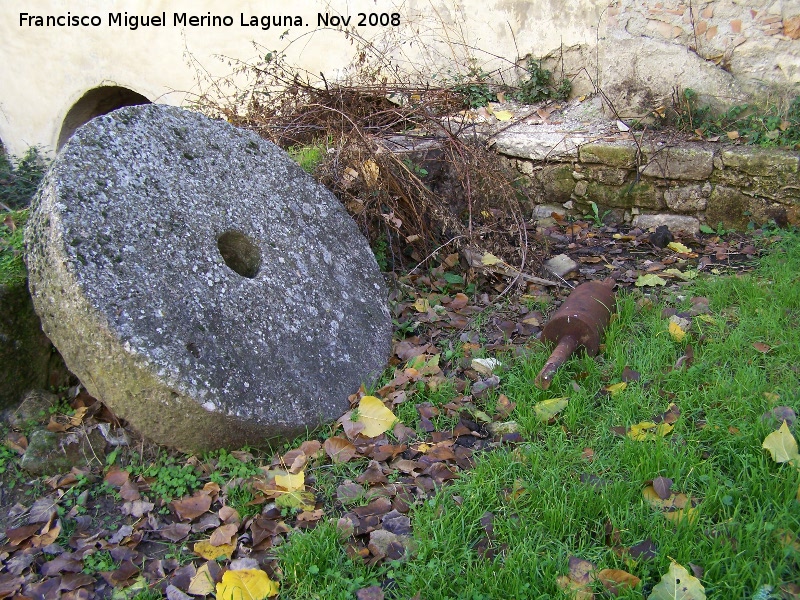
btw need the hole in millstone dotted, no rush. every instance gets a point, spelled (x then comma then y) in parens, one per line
(240, 253)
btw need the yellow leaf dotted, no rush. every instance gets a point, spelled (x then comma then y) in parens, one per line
(676, 516)
(651, 279)
(209, 552)
(547, 409)
(246, 584)
(664, 428)
(376, 418)
(503, 115)
(291, 483)
(422, 305)
(297, 499)
(675, 332)
(732, 135)
(202, 583)
(616, 388)
(490, 259)
(642, 431)
(370, 171)
(781, 445)
(678, 247)
(678, 584)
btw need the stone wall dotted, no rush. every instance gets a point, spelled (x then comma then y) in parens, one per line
(679, 183)
(728, 51)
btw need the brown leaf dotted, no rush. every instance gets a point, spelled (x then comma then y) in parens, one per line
(459, 302)
(339, 449)
(662, 486)
(191, 507)
(629, 374)
(116, 477)
(373, 474)
(130, 491)
(294, 461)
(223, 535)
(311, 516)
(374, 592)
(9, 585)
(119, 576)
(20, 534)
(351, 428)
(349, 492)
(581, 571)
(615, 580)
(504, 406)
(762, 347)
(175, 532)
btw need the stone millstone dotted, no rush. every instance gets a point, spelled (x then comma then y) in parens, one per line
(200, 283)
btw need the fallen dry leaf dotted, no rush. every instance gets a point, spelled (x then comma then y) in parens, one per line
(375, 417)
(781, 445)
(191, 507)
(678, 584)
(246, 584)
(210, 552)
(339, 449)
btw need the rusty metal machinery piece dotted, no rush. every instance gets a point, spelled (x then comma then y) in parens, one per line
(578, 323)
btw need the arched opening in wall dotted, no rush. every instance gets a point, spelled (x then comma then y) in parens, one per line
(96, 102)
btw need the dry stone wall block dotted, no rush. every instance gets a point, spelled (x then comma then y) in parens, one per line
(673, 222)
(686, 199)
(615, 154)
(200, 283)
(760, 161)
(678, 163)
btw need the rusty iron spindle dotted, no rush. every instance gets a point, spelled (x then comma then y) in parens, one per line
(578, 323)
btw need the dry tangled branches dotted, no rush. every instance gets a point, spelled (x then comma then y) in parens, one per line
(410, 171)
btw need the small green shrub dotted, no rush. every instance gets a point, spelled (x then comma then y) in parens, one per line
(18, 182)
(474, 87)
(540, 86)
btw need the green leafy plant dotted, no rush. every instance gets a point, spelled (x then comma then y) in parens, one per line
(169, 479)
(539, 85)
(380, 248)
(418, 170)
(720, 230)
(7, 458)
(473, 87)
(596, 217)
(97, 562)
(18, 182)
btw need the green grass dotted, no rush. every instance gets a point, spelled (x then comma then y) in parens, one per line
(763, 125)
(308, 157)
(12, 265)
(543, 513)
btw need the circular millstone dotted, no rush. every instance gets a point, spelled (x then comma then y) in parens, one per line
(200, 283)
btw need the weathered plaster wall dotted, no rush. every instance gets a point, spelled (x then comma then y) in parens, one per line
(637, 51)
(44, 71)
